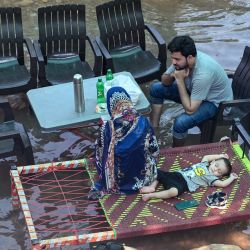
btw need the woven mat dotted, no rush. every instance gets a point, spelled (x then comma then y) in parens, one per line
(130, 216)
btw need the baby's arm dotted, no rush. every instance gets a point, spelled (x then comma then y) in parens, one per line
(210, 158)
(225, 183)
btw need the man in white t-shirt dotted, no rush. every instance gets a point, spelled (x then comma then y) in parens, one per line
(196, 81)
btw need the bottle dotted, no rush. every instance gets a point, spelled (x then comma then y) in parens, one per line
(109, 77)
(100, 91)
(78, 93)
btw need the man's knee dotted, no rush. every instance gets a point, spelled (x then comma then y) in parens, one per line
(156, 93)
(155, 88)
(181, 125)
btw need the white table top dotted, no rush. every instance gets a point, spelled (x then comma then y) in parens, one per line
(54, 106)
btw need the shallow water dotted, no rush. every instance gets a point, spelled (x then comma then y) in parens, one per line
(220, 28)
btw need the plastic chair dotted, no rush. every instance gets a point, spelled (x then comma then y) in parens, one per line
(13, 137)
(14, 76)
(61, 48)
(239, 106)
(123, 44)
(242, 127)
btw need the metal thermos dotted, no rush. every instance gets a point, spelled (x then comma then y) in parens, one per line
(78, 93)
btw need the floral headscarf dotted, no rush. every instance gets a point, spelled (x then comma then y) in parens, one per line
(115, 96)
(122, 112)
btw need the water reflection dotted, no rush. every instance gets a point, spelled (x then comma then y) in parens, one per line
(220, 28)
(217, 28)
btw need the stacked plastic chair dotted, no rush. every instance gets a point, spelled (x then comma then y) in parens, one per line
(123, 41)
(14, 75)
(61, 47)
(14, 140)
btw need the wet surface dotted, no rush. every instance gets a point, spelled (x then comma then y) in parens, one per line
(220, 28)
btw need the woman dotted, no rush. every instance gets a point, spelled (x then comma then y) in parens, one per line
(126, 150)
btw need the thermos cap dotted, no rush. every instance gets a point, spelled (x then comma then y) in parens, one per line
(77, 77)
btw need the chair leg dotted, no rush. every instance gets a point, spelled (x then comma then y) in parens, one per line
(244, 148)
(29, 156)
(207, 131)
(178, 142)
(23, 152)
(234, 134)
(23, 142)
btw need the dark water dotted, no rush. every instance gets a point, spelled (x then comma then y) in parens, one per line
(220, 28)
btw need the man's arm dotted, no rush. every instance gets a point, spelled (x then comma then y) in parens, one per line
(210, 158)
(189, 105)
(167, 79)
(225, 183)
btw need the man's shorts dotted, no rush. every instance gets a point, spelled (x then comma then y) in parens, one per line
(172, 179)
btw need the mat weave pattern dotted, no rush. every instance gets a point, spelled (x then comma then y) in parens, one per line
(130, 216)
(57, 212)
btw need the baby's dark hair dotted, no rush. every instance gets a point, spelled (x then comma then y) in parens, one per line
(228, 166)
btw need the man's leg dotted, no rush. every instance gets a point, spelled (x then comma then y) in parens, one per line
(185, 121)
(155, 114)
(172, 192)
(158, 93)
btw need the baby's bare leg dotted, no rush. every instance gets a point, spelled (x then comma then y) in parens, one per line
(172, 192)
(149, 189)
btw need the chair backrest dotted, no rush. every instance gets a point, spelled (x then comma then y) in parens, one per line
(121, 23)
(62, 29)
(11, 33)
(241, 79)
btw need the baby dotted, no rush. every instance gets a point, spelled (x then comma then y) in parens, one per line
(206, 173)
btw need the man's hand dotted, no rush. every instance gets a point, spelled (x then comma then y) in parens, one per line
(180, 75)
(189, 105)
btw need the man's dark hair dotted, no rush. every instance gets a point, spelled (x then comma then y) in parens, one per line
(183, 44)
(228, 165)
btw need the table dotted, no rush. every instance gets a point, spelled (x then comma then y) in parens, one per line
(54, 106)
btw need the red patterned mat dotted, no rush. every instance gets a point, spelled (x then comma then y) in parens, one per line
(53, 198)
(130, 216)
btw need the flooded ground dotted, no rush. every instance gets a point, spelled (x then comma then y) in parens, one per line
(220, 28)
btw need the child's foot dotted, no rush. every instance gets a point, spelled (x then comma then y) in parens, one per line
(146, 197)
(147, 189)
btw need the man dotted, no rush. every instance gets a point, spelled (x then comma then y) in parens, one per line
(196, 81)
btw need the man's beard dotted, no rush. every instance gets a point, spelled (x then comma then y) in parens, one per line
(183, 67)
